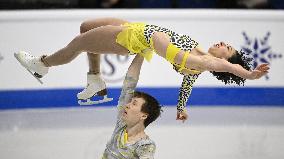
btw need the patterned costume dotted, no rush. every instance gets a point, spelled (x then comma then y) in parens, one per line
(117, 147)
(137, 38)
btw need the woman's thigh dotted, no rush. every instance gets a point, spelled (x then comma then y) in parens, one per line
(94, 23)
(102, 40)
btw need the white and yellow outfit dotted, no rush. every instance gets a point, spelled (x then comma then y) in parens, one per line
(118, 147)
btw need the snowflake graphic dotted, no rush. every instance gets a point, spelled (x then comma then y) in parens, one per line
(260, 50)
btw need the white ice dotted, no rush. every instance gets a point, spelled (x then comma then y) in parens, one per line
(82, 133)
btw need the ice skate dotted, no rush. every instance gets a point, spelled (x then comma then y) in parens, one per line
(32, 64)
(95, 87)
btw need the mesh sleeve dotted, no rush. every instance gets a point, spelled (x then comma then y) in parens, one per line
(185, 91)
(127, 91)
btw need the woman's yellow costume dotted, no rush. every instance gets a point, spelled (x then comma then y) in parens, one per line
(133, 39)
(137, 38)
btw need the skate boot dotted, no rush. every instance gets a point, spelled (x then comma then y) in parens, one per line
(33, 64)
(95, 87)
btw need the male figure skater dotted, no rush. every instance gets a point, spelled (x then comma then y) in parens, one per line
(136, 110)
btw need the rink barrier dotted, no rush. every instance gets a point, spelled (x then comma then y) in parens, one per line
(167, 96)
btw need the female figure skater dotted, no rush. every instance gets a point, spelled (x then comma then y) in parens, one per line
(123, 38)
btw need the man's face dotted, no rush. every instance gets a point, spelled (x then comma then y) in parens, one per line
(132, 111)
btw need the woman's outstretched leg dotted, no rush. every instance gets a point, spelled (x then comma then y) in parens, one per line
(100, 40)
(94, 59)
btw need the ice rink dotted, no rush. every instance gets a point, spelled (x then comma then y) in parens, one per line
(211, 132)
(226, 122)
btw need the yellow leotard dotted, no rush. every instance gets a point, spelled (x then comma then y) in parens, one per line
(132, 38)
(137, 38)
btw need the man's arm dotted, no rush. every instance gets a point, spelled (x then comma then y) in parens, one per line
(130, 81)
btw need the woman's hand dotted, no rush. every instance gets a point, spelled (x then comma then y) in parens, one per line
(182, 115)
(258, 72)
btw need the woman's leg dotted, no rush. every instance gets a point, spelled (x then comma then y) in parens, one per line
(94, 59)
(95, 83)
(100, 40)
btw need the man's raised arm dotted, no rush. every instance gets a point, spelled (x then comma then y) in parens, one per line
(130, 81)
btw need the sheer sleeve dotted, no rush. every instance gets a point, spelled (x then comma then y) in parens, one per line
(185, 91)
(127, 91)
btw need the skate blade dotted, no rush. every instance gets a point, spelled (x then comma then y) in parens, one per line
(27, 69)
(90, 102)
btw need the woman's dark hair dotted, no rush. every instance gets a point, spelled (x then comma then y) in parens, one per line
(238, 58)
(150, 107)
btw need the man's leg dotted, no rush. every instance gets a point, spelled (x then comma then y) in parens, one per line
(95, 84)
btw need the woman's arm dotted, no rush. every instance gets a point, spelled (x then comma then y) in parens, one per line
(185, 91)
(221, 65)
(184, 94)
(161, 42)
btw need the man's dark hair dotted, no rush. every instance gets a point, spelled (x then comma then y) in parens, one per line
(150, 107)
(229, 78)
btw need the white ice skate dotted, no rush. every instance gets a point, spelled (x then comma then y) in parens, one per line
(95, 87)
(32, 64)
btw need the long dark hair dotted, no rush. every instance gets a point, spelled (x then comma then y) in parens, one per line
(238, 58)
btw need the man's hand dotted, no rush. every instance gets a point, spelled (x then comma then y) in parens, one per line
(182, 115)
(259, 71)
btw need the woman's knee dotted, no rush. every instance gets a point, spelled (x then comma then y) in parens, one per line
(84, 27)
(89, 24)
